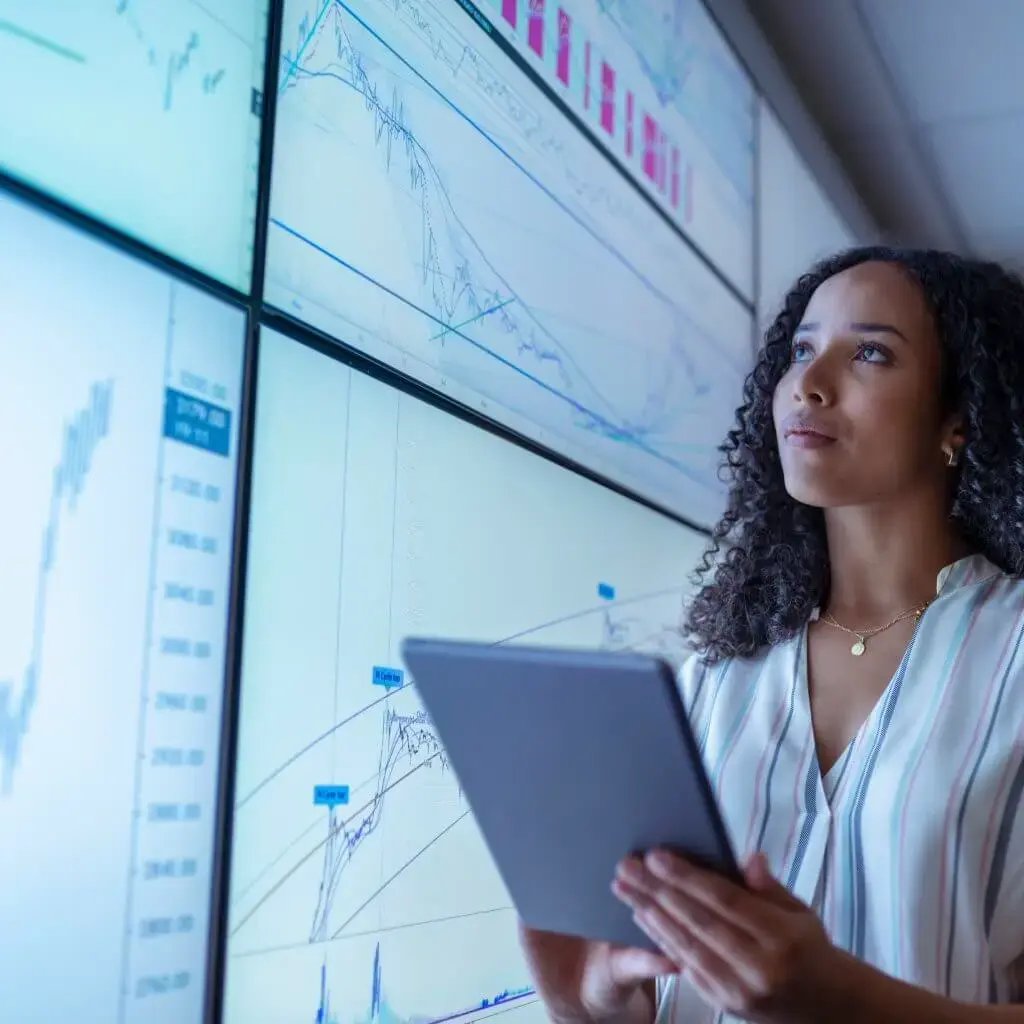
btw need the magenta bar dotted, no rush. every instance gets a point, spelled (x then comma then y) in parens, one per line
(662, 161)
(608, 97)
(675, 177)
(510, 8)
(564, 43)
(651, 147)
(629, 123)
(586, 76)
(535, 33)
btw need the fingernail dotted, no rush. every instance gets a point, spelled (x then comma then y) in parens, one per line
(623, 893)
(660, 860)
(631, 870)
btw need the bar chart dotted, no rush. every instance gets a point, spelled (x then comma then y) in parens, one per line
(660, 90)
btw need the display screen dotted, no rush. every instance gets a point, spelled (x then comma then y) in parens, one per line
(361, 889)
(120, 424)
(144, 113)
(446, 202)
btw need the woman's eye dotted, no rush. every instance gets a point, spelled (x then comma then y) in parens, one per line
(801, 352)
(869, 353)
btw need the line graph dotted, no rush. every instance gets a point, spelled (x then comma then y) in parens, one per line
(180, 88)
(180, 61)
(82, 436)
(420, 524)
(510, 312)
(379, 1010)
(118, 522)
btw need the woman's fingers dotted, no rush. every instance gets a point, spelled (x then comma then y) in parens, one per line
(631, 966)
(685, 924)
(708, 971)
(749, 912)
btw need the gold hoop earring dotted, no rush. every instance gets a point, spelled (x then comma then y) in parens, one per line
(952, 456)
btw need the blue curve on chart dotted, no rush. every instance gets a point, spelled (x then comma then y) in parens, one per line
(405, 739)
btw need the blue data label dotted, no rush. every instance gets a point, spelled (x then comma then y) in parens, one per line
(196, 422)
(389, 678)
(330, 796)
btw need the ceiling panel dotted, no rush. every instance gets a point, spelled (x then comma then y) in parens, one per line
(826, 53)
(981, 166)
(951, 59)
(923, 103)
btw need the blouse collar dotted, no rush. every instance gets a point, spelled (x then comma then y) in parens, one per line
(962, 573)
(972, 569)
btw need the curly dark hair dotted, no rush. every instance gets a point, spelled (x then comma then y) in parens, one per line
(766, 568)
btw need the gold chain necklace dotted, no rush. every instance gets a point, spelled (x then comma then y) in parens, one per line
(864, 635)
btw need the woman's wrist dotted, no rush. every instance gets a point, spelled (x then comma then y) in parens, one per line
(849, 992)
(862, 994)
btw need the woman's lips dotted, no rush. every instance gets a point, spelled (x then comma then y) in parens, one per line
(804, 437)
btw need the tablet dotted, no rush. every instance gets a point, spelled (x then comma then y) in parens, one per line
(570, 761)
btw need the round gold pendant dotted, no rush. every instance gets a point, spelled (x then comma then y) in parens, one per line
(858, 648)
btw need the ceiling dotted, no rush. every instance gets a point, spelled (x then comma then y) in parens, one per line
(922, 101)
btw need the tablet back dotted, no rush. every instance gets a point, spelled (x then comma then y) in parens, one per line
(570, 761)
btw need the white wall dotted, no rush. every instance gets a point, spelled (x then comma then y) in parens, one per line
(797, 224)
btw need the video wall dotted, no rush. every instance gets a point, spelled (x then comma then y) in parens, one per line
(324, 323)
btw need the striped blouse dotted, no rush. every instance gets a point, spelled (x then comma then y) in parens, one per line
(911, 848)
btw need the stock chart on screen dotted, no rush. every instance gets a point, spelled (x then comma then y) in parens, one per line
(437, 204)
(118, 486)
(145, 113)
(361, 889)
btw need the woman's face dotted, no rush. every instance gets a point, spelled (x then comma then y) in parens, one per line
(857, 413)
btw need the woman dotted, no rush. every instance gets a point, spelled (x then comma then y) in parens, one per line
(858, 692)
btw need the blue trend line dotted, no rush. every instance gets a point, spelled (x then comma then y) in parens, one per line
(41, 41)
(477, 318)
(293, 64)
(612, 430)
(81, 438)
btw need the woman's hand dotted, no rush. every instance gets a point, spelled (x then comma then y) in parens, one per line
(592, 981)
(758, 953)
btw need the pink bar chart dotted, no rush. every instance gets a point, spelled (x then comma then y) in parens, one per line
(608, 98)
(630, 105)
(586, 73)
(536, 29)
(564, 45)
